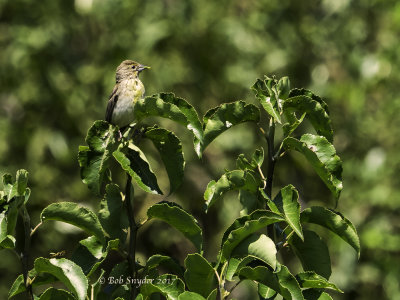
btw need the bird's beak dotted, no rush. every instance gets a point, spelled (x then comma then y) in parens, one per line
(142, 67)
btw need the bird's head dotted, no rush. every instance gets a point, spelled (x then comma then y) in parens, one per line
(129, 68)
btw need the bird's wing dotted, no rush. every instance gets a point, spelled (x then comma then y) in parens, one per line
(112, 100)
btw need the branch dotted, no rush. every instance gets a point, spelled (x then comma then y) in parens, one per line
(270, 156)
(132, 234)
(25, 253)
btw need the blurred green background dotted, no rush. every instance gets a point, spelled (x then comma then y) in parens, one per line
(58, 61)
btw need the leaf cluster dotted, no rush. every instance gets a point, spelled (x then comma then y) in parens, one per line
(249, 246)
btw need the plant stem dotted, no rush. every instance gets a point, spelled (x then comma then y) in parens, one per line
(270, 171)
(25, 253)
(36, 228)
(271, 159)
(132, 234)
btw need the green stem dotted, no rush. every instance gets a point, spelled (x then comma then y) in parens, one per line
(25, 253)
(132, 234)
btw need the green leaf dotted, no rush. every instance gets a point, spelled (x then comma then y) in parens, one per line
(315, 113)
(287, 203)
(223, 117)
(21, 182)
(289, 282)
(190, 296)
(40, 279)
(52, 293)
(312, 294)
(166, 262)
(112, 215)
(17, 287)
(267, 95)
(213, 295)
(333, 221)
(94, 158)
(249, 201)
(199, 275)
(170, 149)
(8, 220)
(256, 161)
(90, 253)
(175, 216)
(259, 246)
(322, 156)
(74, 214)
(235, 264)
(266, 292)
(313, 280)
(67, 272)
(283, 87)
(305, 92)
(262, 275)
(96, 286)
(167, 105)
(8, 242)
(245, 226)
(133, 161)
(170, 286)
(232, 180)
(313, 253)
(10, 188)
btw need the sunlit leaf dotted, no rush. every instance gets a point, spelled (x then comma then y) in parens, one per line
(288, 281)
(266, 292)
(232, 180)
(133, 161)
(313, 280)
(259, 246)
(21, 182)
(74, 214)
(220, 119)
(245, 226)
(281, 282)
(170, 149)
(322, 156)
(267, 94)
(52, 293)
(190, 296)
(287, 203)
(312, 252)
(175, 216)
(199, 275)
(335, 222)
(67, 272)
(167, 105)
(305, 92)
(314, 112)
(170, 286)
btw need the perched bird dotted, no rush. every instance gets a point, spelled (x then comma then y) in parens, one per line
(127, 90)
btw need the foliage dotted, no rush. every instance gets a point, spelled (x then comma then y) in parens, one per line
(57, 66)
(249, 247)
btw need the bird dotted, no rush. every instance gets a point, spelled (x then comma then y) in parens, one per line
(127, 91)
